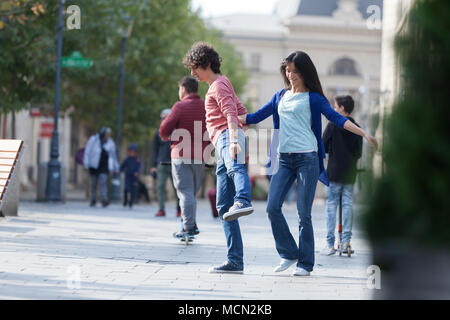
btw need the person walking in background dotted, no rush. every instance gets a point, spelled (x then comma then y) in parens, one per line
(100, 158)
(233, 184)
(161, 168)
(297, 112)
(344, 149)
(186, 124)
(131, 166)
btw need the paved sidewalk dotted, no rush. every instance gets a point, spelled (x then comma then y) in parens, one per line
(72, 251)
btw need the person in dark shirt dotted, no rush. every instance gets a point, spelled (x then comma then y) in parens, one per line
(131, 166)
(162, 169)
(344, 149)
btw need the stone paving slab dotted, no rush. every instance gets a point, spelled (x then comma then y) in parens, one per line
(72, 251)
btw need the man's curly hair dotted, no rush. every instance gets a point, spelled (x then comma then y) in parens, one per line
(201, 55)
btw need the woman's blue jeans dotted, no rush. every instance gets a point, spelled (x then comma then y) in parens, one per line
(305, 168)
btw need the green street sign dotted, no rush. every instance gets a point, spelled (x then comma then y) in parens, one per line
(76, 60)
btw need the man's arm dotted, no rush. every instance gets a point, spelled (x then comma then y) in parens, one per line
(169, 124)
(229, 109)
(227, 105)
(87, 152)
(155, 150)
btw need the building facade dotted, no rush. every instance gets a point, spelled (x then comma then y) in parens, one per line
(395, 14)
(342, 37)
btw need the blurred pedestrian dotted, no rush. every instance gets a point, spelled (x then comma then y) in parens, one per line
(162, 169)
(187, 121)
(344, 149)
(131, 166)
(100, 158)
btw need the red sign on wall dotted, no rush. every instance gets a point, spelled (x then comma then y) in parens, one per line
(47, 129)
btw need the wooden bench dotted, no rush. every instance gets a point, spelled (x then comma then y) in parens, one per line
(10, 152)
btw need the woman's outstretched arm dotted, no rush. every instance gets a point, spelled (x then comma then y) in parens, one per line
(265, 111)
(350, 126)
(343, 122)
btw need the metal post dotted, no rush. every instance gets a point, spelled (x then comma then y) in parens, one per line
(121, 80)
(115, 192)
(53, 188)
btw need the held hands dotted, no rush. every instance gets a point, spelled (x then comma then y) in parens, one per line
(242, 118)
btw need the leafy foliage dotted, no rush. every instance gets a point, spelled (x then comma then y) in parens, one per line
(411, 202)
(23, 77)
(162, 32)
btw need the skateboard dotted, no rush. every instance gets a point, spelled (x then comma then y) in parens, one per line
(186, 239)
(348, 251)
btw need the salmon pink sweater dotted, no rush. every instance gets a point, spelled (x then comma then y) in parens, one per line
(222, 107)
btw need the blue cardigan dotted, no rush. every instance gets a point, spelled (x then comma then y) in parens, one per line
(319, 105)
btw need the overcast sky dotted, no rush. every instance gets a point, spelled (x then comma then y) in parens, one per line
(212, 8)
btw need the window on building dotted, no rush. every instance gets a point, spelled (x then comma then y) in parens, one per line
(344, 67)
(255, 62)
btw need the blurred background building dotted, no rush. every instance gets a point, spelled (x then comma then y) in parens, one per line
(35, 127)
(395, 13)
(343, 38)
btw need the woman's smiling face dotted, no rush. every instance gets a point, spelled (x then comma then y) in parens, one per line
(293, 75)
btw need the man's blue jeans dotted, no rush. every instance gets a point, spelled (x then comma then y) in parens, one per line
(333, 193)
(305, 168)
(233, 184)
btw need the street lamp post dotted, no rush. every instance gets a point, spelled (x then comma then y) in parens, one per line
(53, 188)
(121, 79)
(115, 194)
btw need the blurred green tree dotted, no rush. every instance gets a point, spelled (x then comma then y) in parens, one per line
(162, 33)
(411, 203)
(23, 37)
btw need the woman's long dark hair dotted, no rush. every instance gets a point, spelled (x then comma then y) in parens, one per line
(305, 66)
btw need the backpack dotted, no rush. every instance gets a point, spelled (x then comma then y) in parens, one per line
(79, 156)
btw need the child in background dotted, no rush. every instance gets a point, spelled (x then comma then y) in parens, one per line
(344, 149)
(131, 166)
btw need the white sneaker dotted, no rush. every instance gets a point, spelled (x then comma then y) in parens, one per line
(328, 251)
(300, 272)
(284, 264)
